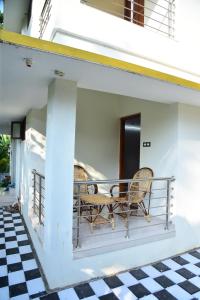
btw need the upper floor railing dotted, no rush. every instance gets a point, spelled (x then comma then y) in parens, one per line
(38, 195)
(158, 15)
(45, 16)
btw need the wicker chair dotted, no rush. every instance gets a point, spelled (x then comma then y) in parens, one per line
(137, 192)
(91, 202)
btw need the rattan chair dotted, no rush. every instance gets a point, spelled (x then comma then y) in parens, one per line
(135, 196)
(92, 204)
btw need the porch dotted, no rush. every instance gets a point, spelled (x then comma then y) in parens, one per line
(76, 120)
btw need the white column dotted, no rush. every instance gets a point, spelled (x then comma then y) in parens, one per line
(61, 115)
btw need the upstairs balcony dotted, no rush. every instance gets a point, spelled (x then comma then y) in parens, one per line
(157, 15)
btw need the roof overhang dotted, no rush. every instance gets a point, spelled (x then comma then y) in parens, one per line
(25, 87)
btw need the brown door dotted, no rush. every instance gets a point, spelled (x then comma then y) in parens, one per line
(130, 145)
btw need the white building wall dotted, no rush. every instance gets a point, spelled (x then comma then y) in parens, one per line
(98, 132)
(172, 129)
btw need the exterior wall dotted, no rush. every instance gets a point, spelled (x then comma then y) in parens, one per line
(173, 131)
(32, 157)
(125, 40)
(98, 132)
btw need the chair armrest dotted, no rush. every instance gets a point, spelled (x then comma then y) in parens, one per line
(112, 187)
(95, 187)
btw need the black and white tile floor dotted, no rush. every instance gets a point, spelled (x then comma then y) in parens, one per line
(20, 278)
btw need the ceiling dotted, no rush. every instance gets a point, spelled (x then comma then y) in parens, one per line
(23, 88)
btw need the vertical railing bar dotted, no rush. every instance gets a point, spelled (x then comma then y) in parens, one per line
(34, 190)
(78, 219)
(40, 198)
(167, 205)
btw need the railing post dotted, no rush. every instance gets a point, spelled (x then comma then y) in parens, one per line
(168, 204)
(34, 189)
(127, 218)
(78, 219)
(40, 198)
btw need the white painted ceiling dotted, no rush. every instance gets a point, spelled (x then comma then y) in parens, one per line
(23, 88)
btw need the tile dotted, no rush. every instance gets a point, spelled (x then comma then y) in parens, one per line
(151, 285)
(3, 281)
(12, 259)
(3, 261)
(27, 256)
(195, 281)
(2, 253)
(84, 290)
(150, 271)
(91, 298)
(22, 237)
(138, 274)
(180, 260)
(53, 296)
(190, 258)
(68, 294)
(12, 251)
(4, 293)
(195, 254)
(23, 243)
(185, 273)
(139, 290)
(173, 265)
(175, 277)
(161, 267)
(10, 238)
(178, 292)
(16, 277)
(32, 274)
(122, 292)
(192, 268)
(113, 282)
(3, 270)
(25, 249)
(35, 286)
(29, 264)
(18, 289)
(127, 279)
(12, 244)
(164, 281)
(189, 287)
(21, 297)
(110, 296)
(165, 295)
(150, 297)
(100, 287)
(15, 267)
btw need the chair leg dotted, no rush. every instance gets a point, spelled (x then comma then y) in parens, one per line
(146, 214)
(111, 215)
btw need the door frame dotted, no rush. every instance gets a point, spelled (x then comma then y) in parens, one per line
(121, 151)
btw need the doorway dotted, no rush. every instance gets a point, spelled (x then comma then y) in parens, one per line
(130, 130)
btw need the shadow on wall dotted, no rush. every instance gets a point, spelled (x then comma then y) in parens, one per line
(94, 175)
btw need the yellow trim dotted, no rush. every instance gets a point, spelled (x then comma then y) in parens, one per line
(33, 43)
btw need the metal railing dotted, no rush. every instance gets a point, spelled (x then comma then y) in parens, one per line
(44, 17)
(38, 195)
(115, 206)
(156, 15)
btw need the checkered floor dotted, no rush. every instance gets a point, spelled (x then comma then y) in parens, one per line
(20, 278)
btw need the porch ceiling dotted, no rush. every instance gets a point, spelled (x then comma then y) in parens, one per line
(23, 88)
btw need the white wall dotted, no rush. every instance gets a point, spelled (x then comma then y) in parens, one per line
(98, 133)
(74, 24)
(172, 129)
(32, 157)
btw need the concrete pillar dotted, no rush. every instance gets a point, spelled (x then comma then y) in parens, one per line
(60, 135)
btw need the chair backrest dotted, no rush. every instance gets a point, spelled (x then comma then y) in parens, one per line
(80, 174)
(138, 190)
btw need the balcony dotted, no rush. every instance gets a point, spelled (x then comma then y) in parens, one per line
(115, 221)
